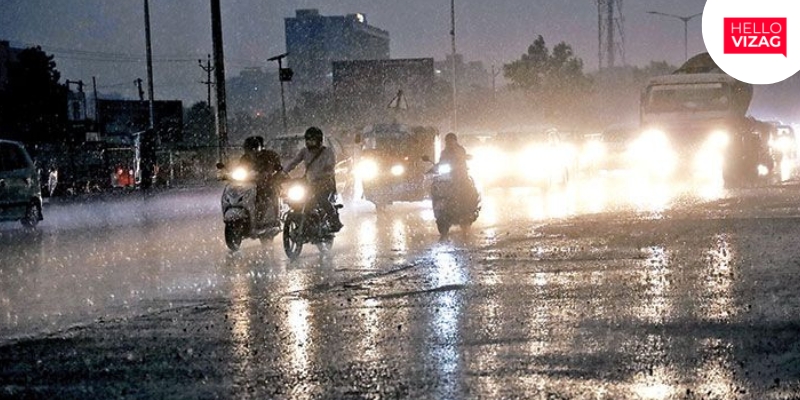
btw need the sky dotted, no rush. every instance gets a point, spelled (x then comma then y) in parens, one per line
(105, 39)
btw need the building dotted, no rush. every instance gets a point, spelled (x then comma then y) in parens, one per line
(372, 91)
(314, 42)
(255, 92)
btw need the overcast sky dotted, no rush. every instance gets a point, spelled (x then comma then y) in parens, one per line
(105, 38)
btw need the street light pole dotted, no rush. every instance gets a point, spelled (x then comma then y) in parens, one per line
(454, 123)
(685, 20)
(282, 76)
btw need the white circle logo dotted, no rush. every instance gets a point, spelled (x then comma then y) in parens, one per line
(754, 42)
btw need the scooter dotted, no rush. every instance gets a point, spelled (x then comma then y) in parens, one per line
(239, 208)
(452, 203)
(304, 222)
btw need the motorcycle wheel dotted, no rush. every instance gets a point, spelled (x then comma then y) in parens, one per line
(292, 243)
(233, 236)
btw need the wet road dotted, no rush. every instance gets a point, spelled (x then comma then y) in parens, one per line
(601, 290)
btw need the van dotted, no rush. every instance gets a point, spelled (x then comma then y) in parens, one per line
(20, 191)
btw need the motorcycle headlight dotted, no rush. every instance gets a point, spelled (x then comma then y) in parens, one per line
(296, 193)
(367, 169)
(398, 170)
(444, 169)
(240, 174)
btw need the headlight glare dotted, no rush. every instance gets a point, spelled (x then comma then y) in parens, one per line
(239, 174)
(296, 193)
(398, 170)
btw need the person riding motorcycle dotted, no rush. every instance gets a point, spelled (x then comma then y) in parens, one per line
(266, 163)
(320, 163)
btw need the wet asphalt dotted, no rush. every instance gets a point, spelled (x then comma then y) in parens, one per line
(595, 291)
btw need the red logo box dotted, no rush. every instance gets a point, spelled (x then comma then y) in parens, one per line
(755, 36)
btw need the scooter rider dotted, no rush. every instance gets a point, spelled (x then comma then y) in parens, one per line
(266, 163)
(456, 156)
(320, 163)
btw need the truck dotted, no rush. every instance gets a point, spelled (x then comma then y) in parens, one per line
(695, 125)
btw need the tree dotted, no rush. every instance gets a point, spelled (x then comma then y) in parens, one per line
(553, 80)
(33, 108)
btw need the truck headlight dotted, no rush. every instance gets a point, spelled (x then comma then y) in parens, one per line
(398, 170)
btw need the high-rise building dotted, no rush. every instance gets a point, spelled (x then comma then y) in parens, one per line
(314, 42)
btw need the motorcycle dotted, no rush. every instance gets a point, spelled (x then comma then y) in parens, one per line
(453, 204)
(303, 222)
(239, 209)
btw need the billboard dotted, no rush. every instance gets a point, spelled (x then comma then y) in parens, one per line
(370, 91)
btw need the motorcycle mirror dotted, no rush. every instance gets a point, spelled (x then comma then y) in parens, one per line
(220, 165)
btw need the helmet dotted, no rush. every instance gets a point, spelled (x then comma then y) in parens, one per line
(313, 133)
(450, 137)
(253, 144)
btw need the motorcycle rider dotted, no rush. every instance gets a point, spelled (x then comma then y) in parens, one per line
(456, 156)
(266, 163)
(320, 163)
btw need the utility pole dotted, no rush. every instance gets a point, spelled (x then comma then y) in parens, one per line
(219, 77)
(283, 75)
(94, 89)
(454, 123)
(138, 83)
(494, 88)
(149, 63)
(208, 68)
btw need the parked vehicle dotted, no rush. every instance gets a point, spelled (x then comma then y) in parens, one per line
(455, 200)
(20, 190)
(304, 220)
(239, 209)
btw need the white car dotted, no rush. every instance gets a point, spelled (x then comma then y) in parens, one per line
(20, 191)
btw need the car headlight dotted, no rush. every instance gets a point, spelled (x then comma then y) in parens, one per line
(651, 152)
(593, 151)
(240, 174)
(398, 170)
(782, 144)
(718, 140)
(296, 193)
(367, 169)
